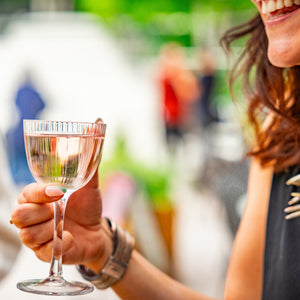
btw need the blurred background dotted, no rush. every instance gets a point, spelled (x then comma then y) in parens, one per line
(173, 171)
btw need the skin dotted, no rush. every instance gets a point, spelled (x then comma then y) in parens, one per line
(283, 37)
(86, 241)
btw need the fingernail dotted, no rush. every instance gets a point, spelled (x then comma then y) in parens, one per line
(55, 190)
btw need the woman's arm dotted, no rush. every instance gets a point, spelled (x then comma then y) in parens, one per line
(144, 281)
(245, 272)
(86, 241)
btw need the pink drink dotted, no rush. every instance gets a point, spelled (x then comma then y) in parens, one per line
(69, 160)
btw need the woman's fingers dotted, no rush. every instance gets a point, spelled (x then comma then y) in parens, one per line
(40, 193)
(44, 251)
(35, 204)
(37, 235)
(34, 217)
(29, 214)
(66, 246)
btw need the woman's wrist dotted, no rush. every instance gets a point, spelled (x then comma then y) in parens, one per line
(116, 265)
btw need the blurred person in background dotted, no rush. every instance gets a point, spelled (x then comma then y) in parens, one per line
(29, 104)
(179, 89)
(206, 108)
(265, 258)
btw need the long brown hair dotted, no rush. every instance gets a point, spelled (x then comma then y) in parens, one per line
(271, 91)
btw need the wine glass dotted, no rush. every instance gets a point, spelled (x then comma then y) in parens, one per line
(68, 154)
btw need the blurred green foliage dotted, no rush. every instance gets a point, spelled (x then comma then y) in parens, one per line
(225, 5)
(156, 21)
(142, 10)
(168, 20)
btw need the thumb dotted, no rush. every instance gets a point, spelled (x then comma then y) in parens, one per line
(94, 182)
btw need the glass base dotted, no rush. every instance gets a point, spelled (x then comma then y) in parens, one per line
(55, 287)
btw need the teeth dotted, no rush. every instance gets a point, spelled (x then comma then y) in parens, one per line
(280, 4)
(264, 7)
(273, 5)
(288, 3)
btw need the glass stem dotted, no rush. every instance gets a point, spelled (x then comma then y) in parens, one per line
(56, 260)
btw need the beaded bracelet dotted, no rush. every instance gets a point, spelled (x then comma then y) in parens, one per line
(117, 262)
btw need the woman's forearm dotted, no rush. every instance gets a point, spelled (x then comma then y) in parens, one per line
(144, 281)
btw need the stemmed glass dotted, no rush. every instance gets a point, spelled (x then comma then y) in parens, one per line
(67, 154)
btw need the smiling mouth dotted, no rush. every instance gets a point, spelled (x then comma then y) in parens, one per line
(278, 7)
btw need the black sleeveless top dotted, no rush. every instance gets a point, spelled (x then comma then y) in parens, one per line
(282, 249)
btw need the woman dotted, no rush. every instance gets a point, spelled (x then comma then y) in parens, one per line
(264, 261)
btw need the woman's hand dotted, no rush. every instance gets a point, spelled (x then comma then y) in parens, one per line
(85, 240)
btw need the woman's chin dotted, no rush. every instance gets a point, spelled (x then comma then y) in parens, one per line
(283, 57)
(281, 63)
